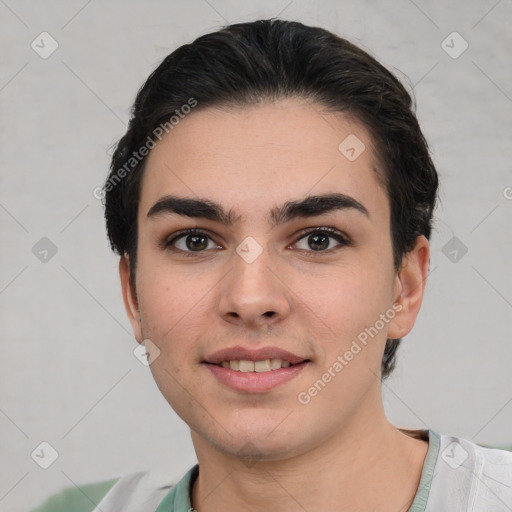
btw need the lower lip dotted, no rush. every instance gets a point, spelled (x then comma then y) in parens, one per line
(255, 382)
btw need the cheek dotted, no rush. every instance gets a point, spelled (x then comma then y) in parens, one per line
(174, 311)
(346, 299)
(178, 389)
(165, 293)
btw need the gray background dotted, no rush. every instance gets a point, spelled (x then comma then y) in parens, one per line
(68, 374)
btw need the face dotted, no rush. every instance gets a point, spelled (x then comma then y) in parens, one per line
(262, 279)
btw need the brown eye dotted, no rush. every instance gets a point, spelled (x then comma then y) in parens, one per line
(190, 241)
(319, 240)
(196, 242)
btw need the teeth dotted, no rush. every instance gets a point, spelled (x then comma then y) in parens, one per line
(255, 366)
(246, 366)
(262, 366)
(275, 364)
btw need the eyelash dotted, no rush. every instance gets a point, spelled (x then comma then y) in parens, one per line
(343, 240)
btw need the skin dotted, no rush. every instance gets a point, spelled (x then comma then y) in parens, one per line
(339, 451)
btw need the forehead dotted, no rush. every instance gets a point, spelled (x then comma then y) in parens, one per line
(253, 157)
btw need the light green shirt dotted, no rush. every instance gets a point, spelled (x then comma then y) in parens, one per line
(74, 499)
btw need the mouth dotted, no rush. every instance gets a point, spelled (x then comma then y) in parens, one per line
(260, 360)
(255, 371)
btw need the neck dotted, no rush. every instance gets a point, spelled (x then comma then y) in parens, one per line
(369, 465)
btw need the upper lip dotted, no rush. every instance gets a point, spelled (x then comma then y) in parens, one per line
(241, 353)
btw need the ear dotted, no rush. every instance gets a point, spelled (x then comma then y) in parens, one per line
(409, 288)
(130, 298)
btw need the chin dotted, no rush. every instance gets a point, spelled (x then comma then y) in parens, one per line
(251, 449)
(256, 440)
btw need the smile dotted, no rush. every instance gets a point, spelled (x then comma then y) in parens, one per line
(242, 365)
(255, 376)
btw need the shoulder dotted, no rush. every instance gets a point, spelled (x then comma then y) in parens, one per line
(77, 499)
(133, 492)
(492, 477)
(481, 474)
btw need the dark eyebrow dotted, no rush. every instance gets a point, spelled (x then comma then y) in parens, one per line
(310, 206)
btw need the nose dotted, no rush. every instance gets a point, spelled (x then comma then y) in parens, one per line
(254, 293)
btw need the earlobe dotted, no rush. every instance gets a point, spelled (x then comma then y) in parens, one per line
(410, 288)
(129, 297)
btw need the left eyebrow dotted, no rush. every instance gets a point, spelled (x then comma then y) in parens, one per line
(311, 206)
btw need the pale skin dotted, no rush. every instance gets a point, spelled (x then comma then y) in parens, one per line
(339, 451)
